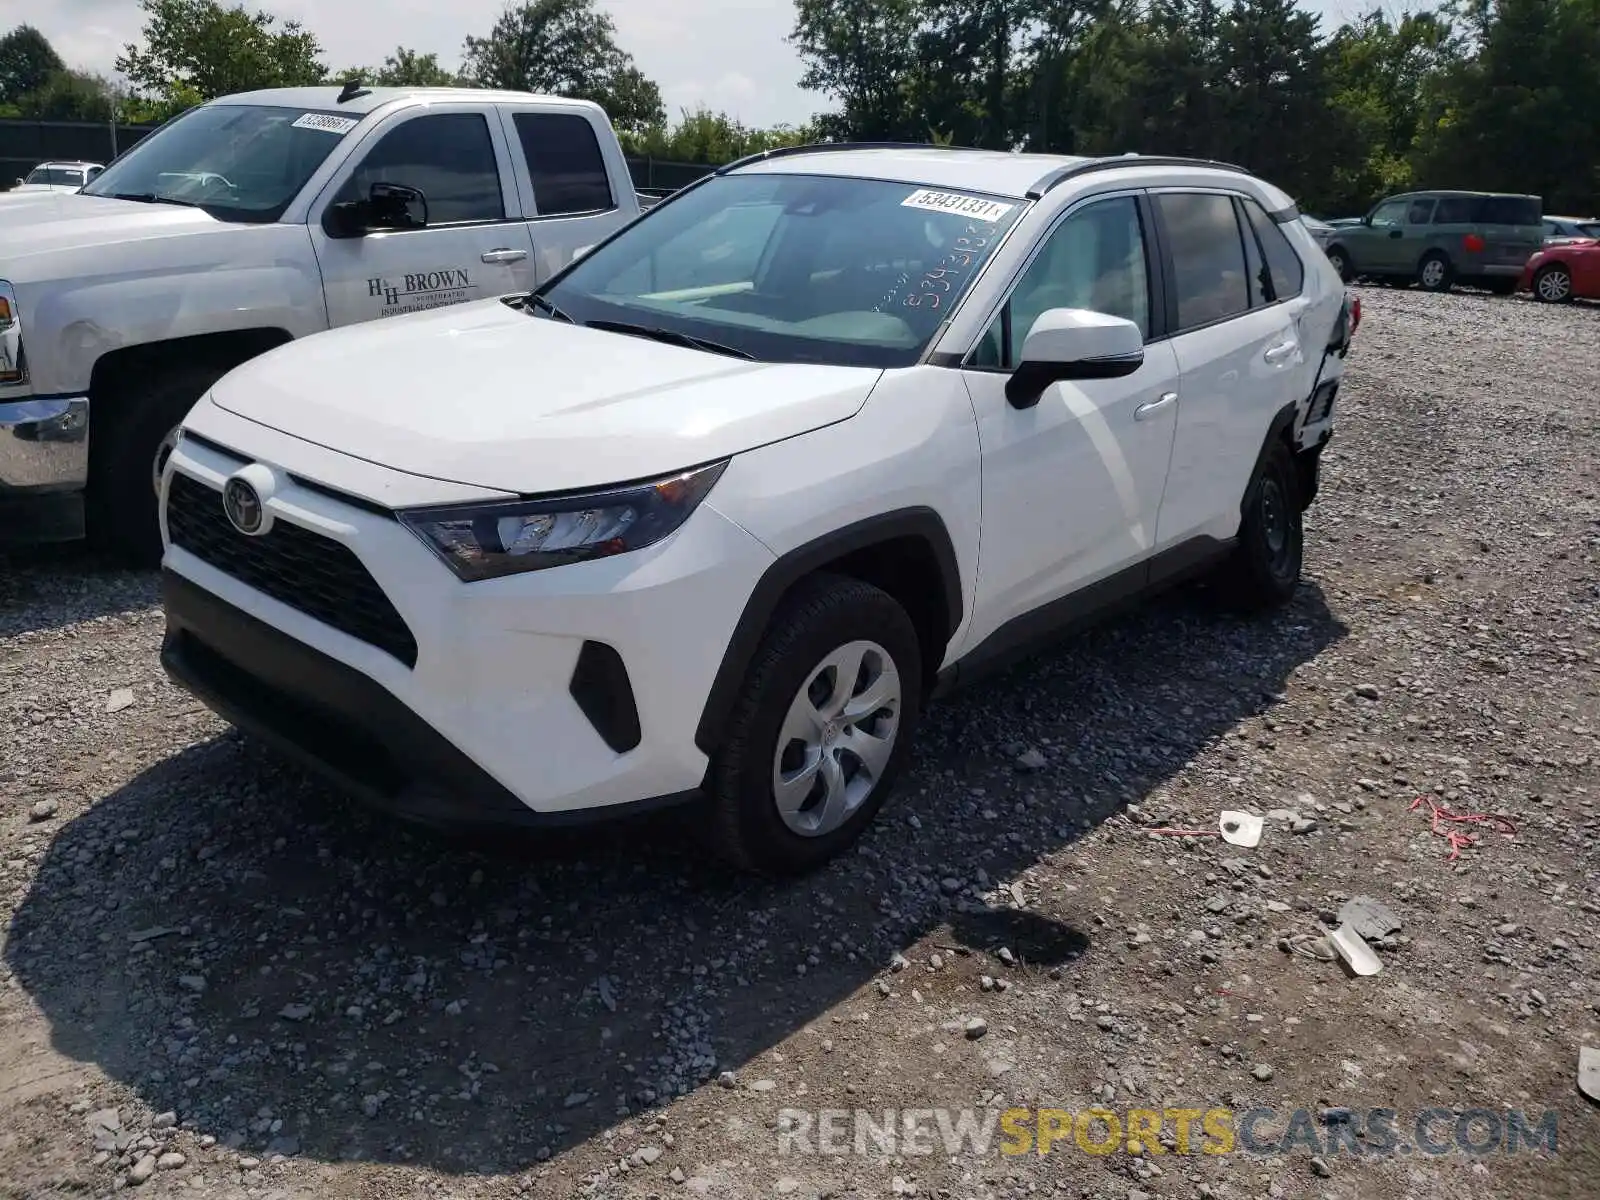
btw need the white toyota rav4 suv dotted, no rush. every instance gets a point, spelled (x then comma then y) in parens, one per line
(713, 513)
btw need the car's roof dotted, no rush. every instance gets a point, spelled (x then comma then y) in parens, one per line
(1437, 192)
(67, 162)
(369, 98)
(959, 169)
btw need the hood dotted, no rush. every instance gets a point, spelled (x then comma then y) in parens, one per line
(486, 395)
(42, 222)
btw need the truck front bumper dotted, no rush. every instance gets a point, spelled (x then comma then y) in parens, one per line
(44, 464)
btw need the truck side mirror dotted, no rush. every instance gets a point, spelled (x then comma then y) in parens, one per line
(387, 206)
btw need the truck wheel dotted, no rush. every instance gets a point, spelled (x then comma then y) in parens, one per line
(127, 450)
(1435, 274)
(821, 728)
(1264, 570)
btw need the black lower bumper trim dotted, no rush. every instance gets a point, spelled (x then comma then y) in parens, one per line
(35, 518)
(340, 723)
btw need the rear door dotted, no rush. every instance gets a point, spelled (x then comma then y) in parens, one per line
(572, 182)
(464, 242)
(1239, 353)
(1416, 234)
(1512, 228)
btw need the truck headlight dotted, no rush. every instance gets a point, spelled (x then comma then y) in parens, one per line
(13, 364)
(487, 541)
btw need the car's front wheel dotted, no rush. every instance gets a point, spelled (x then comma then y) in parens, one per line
(1264, 570)
(1553, 284)
(821, 728)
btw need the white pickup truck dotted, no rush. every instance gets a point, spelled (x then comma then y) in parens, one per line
(246, 223)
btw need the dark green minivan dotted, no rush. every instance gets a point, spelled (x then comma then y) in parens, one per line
(1443, 238)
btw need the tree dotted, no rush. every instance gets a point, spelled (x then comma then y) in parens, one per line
(27, 61)
(197, 49)
(408, 68)
(863, 53)
(69, 96)
(566, 48)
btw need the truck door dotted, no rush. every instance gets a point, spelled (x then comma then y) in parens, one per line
(573, 181)
(458, 239)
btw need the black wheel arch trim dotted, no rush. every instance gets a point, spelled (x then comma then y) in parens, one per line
(917, 522)
(1283, 423)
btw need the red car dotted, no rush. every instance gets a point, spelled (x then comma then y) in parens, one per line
(1564, 270)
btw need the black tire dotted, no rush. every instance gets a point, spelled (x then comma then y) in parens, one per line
(823, 614)
(1264, 569)
(1430, 280)
(1341, 262)
(122, 504)
(1553, 285)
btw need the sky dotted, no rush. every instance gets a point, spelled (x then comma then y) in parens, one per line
(729, 55)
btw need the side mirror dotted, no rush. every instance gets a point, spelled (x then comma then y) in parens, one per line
(387, 206)
(1073, 343)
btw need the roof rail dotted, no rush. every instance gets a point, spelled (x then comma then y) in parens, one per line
(825, 148)
(1062, 174)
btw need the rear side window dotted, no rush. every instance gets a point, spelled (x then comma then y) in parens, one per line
(1454, 210)
(1286, 274)
(1510, 210)
(1420, 212)
(1209, 270)
(564, 159)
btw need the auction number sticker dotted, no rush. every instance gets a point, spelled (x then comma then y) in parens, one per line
(975, 207)
(327, 123)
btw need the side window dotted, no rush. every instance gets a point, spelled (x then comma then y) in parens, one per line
(1420, 212)
(564, 159)
(448, 157)
(1095, 259)
(1453, 210)
(1285, 271)
(1207, 248)
(1389, 213)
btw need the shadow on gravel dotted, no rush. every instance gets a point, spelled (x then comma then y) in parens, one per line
(294, 976)
(48, 587)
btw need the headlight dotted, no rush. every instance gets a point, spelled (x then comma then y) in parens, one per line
(486, 541)
(13, 363)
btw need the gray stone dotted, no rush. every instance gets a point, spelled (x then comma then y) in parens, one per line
(141, 1171)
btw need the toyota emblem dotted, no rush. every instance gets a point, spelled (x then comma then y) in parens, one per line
(243, 506)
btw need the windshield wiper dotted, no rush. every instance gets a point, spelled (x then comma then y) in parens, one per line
(152, 198)
(534, 301)
(670, 336)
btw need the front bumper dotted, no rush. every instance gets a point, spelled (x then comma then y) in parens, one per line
(44, 464)
(546, 698)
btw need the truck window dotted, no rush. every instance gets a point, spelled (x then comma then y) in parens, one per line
(564, 159)
(448, 157)
(239, 162)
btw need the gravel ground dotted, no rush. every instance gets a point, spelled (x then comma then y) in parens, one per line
(219, 980)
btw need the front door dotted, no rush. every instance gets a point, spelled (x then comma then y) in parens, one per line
(1072, 486)
(462, 241)
(1376, 245)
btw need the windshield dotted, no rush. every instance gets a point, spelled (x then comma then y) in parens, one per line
(794, 268)
(1589, 229)
(58, 176)
(238, 162)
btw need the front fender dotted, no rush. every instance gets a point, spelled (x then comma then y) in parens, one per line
(249, 277)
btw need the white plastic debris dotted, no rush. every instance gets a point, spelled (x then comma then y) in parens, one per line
(1368, 917)
(1354, 951)
(1589, 1071)
(1241, 828)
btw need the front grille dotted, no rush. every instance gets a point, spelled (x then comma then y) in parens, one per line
(293, 565)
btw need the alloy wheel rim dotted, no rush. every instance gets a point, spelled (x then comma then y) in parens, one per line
(837, 738)
(1554, 285)
(1432, 272)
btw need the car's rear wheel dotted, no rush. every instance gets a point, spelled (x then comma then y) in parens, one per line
(1553, 284)
(1435, 274)
(1264, 570)
(127, 454)
(821, 728)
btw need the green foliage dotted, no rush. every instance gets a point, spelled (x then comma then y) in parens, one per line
(1483, 94)
(195, 50)
(408, 68)
(703, 136)
(27, 63)
(69, 96)
(564, 48)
